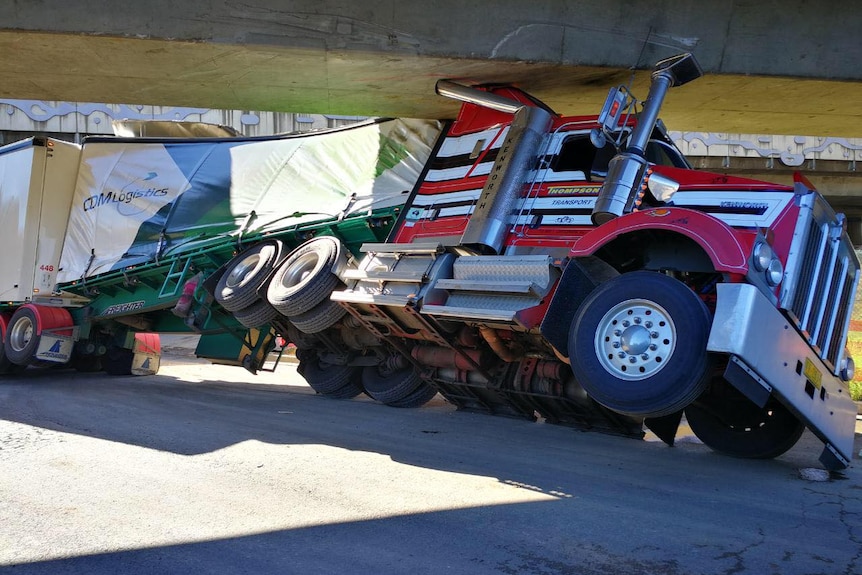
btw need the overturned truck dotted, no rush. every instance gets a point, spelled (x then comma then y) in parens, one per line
(513, 260)
(115, 238)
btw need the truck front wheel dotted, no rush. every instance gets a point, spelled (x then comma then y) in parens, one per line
(729, 423)
(638, 345)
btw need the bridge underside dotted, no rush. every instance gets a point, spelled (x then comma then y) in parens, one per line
(269, 76)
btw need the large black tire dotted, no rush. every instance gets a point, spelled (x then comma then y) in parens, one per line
(237, 288)
(22, 340)
(6, 366)
(326, 379)
(638, 345)
(349, 391)
(318, 318)
(390, 387)
(729, 423)
(422, 395)
(256, 315)
(305, 278)
(88, 363)
(118, 361)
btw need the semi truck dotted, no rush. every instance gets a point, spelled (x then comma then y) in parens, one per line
(513, 260)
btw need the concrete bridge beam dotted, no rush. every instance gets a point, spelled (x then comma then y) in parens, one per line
(774, 66)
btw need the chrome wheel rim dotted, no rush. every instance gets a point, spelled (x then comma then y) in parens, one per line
(241, 271)
(21, 334)
(300, 269)
(635, 339)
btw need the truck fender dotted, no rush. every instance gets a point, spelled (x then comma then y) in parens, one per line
(6, 366)
(718, 240)
(51, 318)
(4, 322)
(579, 279)
(25, 330)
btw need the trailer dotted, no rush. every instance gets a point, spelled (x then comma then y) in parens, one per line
(119, 232)
(515, 261)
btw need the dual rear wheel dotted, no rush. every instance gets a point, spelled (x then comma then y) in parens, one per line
(398, 387)
(257, 289)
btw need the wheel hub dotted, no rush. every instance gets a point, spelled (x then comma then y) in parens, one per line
(240, 271)
(300, 270)
(634, 339)
(22, 333)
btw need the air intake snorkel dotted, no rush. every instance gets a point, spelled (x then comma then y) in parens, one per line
(626, 170)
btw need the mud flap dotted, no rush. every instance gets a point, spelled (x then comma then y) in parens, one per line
(145, 364)
(55, 348)
(665, 427)
(580, 278)
(146, 357)
(249, 351)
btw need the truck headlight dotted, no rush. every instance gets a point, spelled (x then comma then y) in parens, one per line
(765, 261)
(848, 368)
(763, 256)
(774, 272)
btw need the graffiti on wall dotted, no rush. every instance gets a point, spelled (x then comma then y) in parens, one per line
(792, 151)
(90, 118)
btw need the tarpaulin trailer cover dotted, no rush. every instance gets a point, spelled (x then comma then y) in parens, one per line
(139, 199)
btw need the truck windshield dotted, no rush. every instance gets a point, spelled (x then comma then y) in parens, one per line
(577, 154)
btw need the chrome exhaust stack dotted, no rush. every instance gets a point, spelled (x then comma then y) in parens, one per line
(470, 95)
(626, 170)
(492, 217)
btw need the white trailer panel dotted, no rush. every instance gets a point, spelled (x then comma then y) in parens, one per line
(37, 181)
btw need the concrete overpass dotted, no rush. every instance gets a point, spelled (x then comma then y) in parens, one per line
(774, 67)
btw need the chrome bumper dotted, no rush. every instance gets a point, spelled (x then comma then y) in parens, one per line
(749, 328)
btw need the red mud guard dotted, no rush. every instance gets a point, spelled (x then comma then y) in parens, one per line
(37, 332)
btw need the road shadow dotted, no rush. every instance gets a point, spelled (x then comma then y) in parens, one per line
(608, 504)
(563, 537)
(167, 414)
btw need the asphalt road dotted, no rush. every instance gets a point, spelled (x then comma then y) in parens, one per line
(197, 470)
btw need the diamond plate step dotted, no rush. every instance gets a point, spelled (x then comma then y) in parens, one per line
(518, 287)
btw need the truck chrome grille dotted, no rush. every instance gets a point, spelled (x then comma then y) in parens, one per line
(822, 271)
